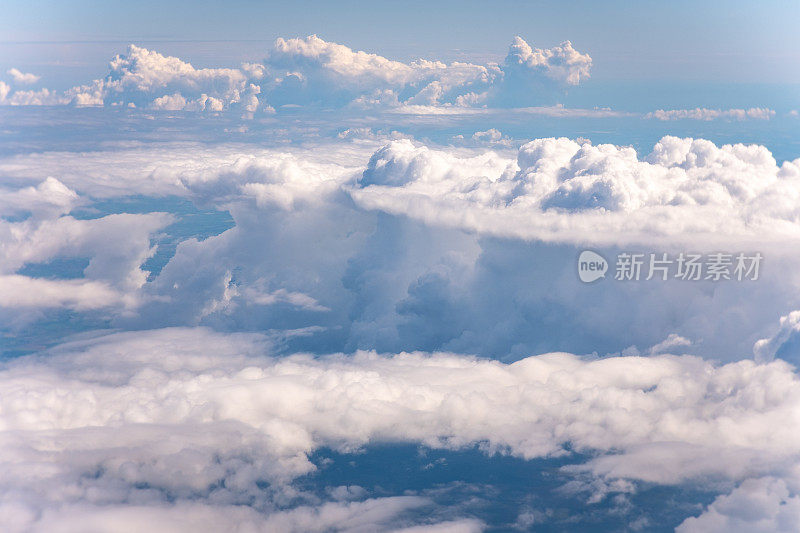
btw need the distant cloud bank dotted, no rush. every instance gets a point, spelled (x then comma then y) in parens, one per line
(314, 72)
(757, 113)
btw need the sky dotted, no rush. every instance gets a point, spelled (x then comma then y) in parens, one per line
(719, 41)
(399, 267)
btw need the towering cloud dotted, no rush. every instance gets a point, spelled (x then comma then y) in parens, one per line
(534, 75)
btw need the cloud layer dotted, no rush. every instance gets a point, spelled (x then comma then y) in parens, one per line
(157, 424)
(218, 315)
(415, 247)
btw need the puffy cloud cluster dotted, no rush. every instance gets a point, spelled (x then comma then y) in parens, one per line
(35, 229)
(763, 505)
(564, 191)
(377, 243)
(22, 78)
(528, 71)
(140, 74)
(785, 344)
(421, 248)
(145, 78)
(562, 64)
(149, 424)
(315, 72)
(757, 113)
(312, 70)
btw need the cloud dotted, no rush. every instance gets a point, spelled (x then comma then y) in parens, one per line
(756, 113)
(50, 197)
(560, 190)
(31, 98)
(670, 344)
(531, 71)
(117, 244)
(784, 344)
(22, 78)
(757, 505)
(372, 514)
(144, 78)
(399, 278)
(21, 292)
(313, 72)
(149, 423)
(563, 64)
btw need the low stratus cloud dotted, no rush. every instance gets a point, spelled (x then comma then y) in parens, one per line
(151, 424)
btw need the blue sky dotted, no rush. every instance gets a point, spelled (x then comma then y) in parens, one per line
(733, 41)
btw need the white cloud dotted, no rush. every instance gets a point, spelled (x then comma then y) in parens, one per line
(559, 190)
(672, 344)
(50, 197)
(170, 102)
(764, 505)
(757, 113)
(315, 72)
(27, 98)
(312, 70)
(21, 293)
(490, 135)
(435, 276)
(144, 78)
(373, 514)
(22, 78)
(562, 64)
(783, 343)
(148, 422)
(116, 244)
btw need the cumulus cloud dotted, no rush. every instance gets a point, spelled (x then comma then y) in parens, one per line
(117, 244)
(757, 505)
(312, 71)
(50, 197)
(565, 191)
(757, 113)
(31, 98)
(784, 344)
(35, 230)
(145, 423)
(145, 78)
(462, 268)
(531, 71)
(21, 293)
(22, 78)
(563, 63)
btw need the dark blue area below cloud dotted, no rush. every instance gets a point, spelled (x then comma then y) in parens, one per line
(505, 492)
